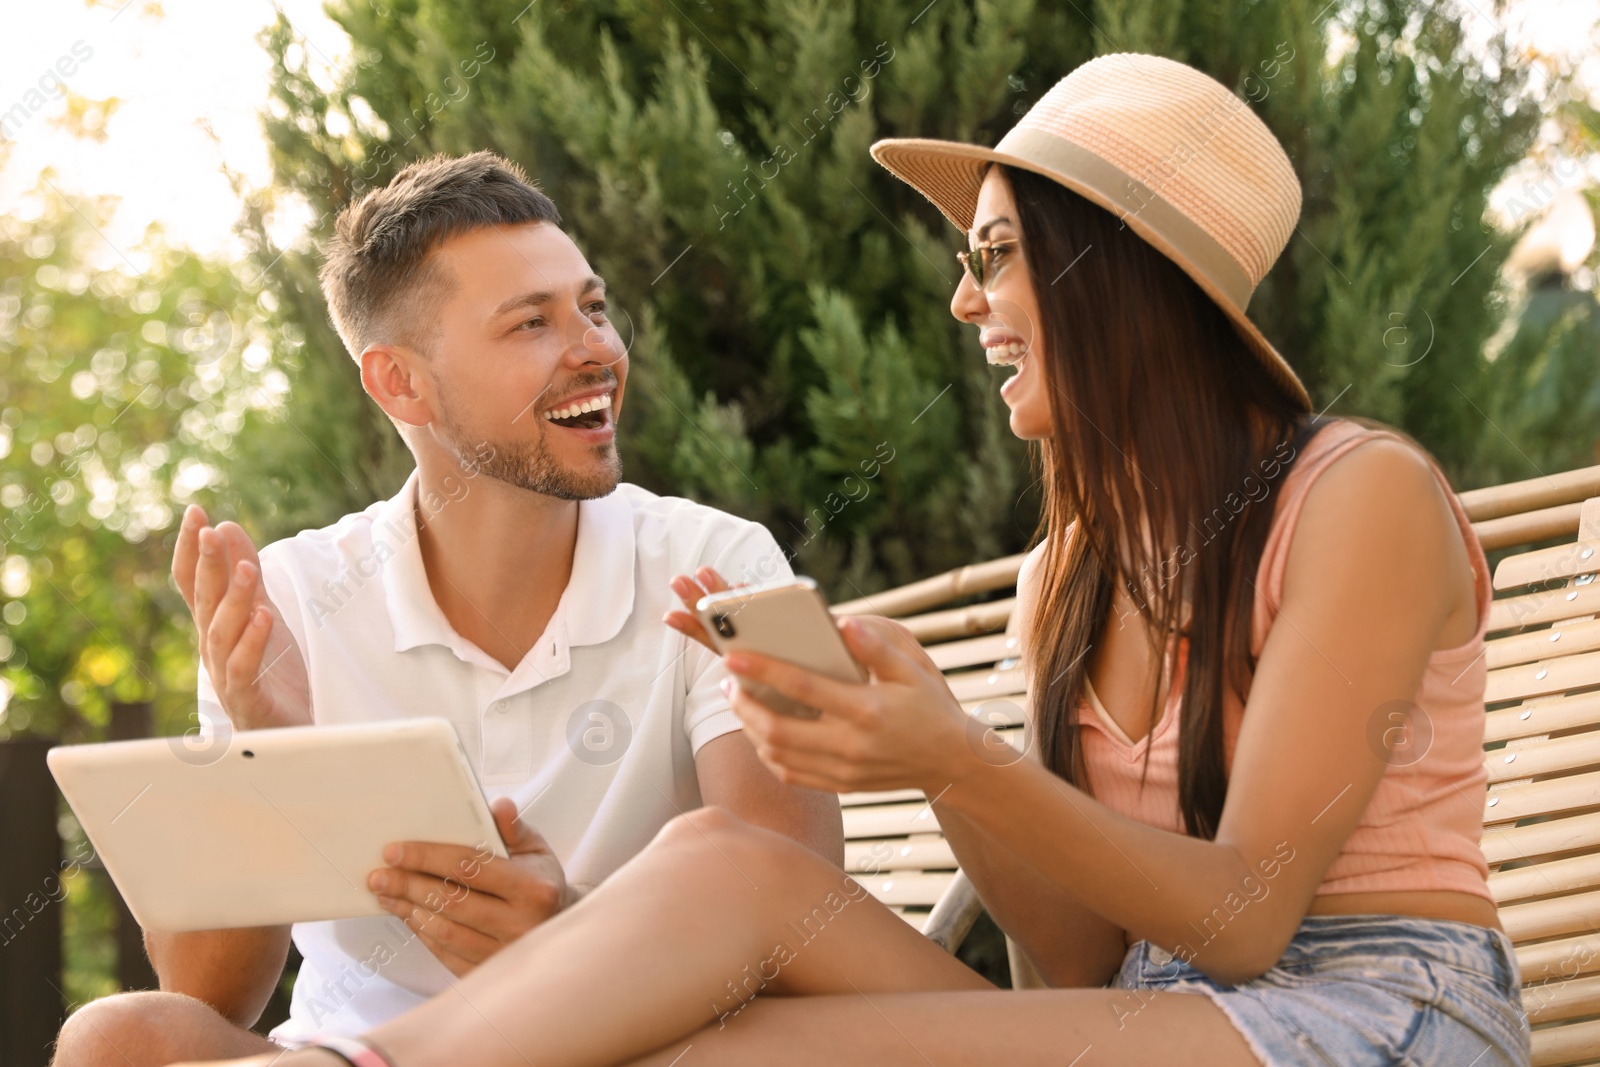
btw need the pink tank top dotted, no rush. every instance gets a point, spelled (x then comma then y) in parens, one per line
(1424, 823)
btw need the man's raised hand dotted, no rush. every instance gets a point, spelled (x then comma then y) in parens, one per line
(690, 590)
(252, 659)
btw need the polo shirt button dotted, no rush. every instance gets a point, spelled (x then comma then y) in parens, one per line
(500, 705)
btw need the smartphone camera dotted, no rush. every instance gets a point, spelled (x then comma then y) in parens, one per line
(723, 624)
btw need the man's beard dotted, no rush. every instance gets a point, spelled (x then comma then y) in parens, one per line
(529, 465)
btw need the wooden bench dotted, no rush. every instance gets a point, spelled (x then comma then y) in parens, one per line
(1541, 746)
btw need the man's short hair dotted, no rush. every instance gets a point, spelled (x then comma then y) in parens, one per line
(380, 282)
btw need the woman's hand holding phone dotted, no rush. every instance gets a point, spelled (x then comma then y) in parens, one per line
(901, 729)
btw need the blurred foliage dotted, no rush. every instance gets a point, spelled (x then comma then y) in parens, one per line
(88, 924)
(1545, 393)
(122, 388)
(120, 391)
(86, 118)
(1544, 371)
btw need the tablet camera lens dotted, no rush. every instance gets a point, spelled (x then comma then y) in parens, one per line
(248, 754)
(723, 624)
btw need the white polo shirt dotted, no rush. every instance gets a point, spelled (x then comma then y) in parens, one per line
(593, 734)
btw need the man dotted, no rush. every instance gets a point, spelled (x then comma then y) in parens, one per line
(514, 585)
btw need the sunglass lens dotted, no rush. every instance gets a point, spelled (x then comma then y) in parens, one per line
(975, 261)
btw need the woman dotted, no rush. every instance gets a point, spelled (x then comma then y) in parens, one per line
(1299, 847)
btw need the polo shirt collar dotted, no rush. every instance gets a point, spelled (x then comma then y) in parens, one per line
(599, 595)
(596, 602)
(413, 613)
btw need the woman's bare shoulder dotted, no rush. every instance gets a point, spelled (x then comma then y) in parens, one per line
(1383, 501)
(1028, 579)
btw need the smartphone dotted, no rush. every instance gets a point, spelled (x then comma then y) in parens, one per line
(787, 620)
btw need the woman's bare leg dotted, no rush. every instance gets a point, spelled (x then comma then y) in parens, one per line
(1058, 1027)
(731, 939)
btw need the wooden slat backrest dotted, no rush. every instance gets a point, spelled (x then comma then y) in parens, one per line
(893, 844)
(1542, 748)
(1541, 739)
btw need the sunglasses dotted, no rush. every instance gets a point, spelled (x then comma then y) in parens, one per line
(979, 261)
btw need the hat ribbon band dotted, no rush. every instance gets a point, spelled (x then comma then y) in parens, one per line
(1133, 198)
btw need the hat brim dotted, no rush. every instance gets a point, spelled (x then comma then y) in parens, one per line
(950, 173)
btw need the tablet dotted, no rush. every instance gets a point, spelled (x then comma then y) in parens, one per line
(270, 826)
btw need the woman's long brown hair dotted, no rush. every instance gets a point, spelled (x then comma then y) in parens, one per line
(1161, 413)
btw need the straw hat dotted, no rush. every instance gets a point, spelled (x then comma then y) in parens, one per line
(1171, 152)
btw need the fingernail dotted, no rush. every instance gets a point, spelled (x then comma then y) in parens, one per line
(727, 686)
(208, 543)
(391, 855)
(736, 663)
(259, 617)
(241, 573)
(377, 881)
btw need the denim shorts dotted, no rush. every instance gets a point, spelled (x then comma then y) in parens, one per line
(1354, 990)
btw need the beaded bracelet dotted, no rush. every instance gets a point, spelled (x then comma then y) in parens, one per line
(357, 1052)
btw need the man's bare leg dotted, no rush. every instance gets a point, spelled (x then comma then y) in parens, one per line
(150, 1030)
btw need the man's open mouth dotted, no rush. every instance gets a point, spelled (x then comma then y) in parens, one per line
(590, 413)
